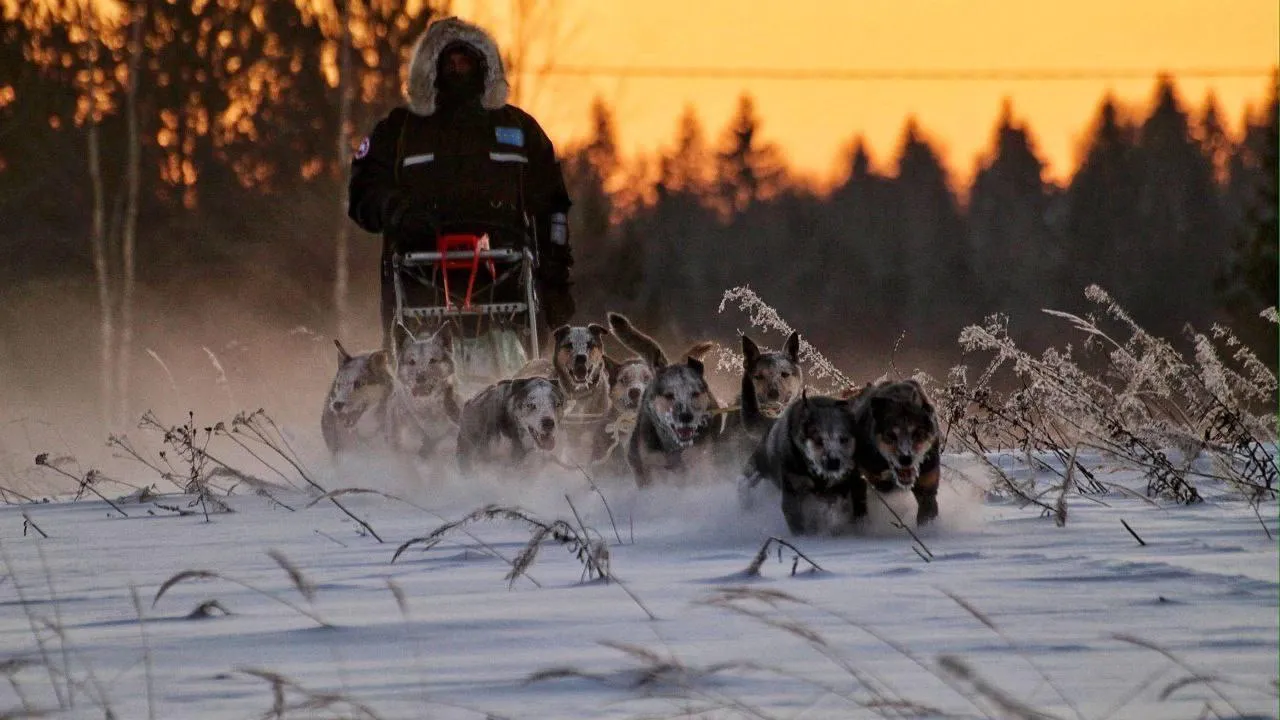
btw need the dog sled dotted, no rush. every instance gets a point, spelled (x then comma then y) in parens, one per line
(485, 288)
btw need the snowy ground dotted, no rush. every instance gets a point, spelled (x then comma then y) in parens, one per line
(1077, 621)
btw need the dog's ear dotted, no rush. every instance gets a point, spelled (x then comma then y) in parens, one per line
(696, 365)
(793, 347)
(401, 335)
(560, 334)
(344, 357)
(750, 352)
(699, 350)
(446, 334)
(598, 331)
(917, 394)
(802, 406)
(380, 363)
(611, 368)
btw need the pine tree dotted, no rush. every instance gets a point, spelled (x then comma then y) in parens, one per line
(931, 257)
(1179, 217)
(602, 254)
(1016, 256)
(1249, 281)
(1101, 224)
(686, 168)
(747, 169)
(858, 238)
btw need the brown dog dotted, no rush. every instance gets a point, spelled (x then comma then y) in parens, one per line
(898, 444)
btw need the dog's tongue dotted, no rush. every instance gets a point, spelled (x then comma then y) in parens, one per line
(685, 433)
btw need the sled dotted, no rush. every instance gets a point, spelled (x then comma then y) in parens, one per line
(487, 292)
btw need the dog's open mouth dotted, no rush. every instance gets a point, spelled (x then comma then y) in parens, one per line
(685, 433)
(906, 476)
(423, 389)
(349, 416)
(772, 409)
(544, 440)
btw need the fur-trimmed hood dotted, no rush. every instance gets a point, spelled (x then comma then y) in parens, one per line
(421, 93)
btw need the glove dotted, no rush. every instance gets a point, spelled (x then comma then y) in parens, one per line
(407, 221)
(557, 304)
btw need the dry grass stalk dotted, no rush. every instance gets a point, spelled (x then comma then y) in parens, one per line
(753, 570)
(85, 483)
(259, 427)
(309, 700)
(28, 522)
(1007, 705)
(189, 575)
(991, 625)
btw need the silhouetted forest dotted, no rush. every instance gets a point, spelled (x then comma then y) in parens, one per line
(186, 161)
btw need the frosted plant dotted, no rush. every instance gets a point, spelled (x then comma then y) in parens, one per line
(762, 315)
(1146, 399)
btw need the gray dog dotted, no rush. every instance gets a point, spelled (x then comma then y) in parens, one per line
(508, 421)
(423, 408)
(354, 414)
(676, 422)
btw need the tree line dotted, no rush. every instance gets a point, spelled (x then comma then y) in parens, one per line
(1168, 210)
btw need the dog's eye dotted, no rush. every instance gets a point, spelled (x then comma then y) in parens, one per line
(411, 362)
(530, 407)
(785, 374)
(759, 376)
(669, 395)
(844, 439)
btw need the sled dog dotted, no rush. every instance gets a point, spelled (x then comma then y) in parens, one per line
(423, 409)
(508, 422)
(808, 454)
(676, 422)
(354, 414)
(898, 443)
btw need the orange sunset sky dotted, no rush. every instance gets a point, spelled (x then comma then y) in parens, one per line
(813, 120)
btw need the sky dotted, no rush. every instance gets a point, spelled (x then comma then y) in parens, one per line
(814, 121)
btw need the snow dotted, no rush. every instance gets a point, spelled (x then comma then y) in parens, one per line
(1074, 621)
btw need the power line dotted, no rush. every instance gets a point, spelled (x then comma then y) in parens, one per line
(902, 74)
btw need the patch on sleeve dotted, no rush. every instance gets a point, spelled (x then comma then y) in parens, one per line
(510, 136)
(363, 149)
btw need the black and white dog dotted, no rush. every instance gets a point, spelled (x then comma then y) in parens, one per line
(510, 422)
(809, 454)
